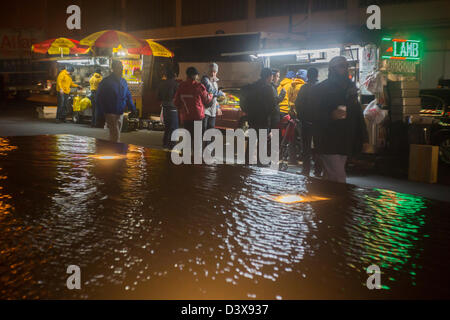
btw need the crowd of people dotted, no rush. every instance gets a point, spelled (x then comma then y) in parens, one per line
(332, 125)
(329, 114)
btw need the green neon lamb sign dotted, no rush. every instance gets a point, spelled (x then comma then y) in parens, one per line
(401, 49)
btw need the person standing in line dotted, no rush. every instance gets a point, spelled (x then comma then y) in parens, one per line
(166, 94)
(63, 84)
(94, 82)
(339, 128)
(191, 99)
(275, 117)
(285, 84)
(292, 92)
(260, 103)
(210, 81)
(304, 110)
(296, 85)
(113, 96)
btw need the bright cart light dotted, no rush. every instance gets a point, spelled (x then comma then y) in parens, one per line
(295, 198)
(289, 199)
(108, 157)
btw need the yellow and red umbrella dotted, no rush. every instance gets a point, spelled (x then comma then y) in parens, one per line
(60, 46)
(150, 47)
(111, 39)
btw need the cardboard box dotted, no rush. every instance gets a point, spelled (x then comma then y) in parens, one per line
(406, 102)
(402, 85)
(423, 163)
(406, 93)
(406, 109)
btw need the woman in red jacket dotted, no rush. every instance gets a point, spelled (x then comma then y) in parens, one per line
(191, 99)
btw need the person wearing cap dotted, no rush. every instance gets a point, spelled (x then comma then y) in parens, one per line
(113, 97)
(94, 81)
(210, 82)
(292, 92)
(339, 128)
(191, 99)
(63, 84)
(284, 85)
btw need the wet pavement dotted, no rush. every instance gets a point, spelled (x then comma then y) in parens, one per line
(391, 174)
(140, 227)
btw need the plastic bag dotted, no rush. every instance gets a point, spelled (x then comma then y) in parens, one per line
(375, 83)
(373, 112)
(161, 116)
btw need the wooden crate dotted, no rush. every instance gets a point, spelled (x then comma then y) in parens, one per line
(423, 163)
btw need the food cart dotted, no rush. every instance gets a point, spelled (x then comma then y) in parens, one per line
(79, 105)
(98, 51)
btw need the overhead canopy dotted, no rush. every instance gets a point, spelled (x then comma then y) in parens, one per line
(111, 39)
(150, 47)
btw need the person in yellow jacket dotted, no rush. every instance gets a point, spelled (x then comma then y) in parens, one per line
(63, 84)
(94, 82)
(285, 84)
(292, 93)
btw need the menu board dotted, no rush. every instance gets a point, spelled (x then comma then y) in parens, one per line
(132, 70)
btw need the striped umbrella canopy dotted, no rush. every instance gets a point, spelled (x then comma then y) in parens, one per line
(60, 46)
(111, 39)
(150, 47)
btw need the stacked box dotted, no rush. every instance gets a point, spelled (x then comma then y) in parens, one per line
(404, 99)
(423, 163)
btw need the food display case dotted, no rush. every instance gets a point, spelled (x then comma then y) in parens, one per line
(80, 100)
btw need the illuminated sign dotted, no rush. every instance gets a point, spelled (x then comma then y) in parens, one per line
(401, 49)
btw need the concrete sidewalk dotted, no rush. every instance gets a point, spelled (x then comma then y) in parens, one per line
(432, 191)
(26, 124)
(18, 126)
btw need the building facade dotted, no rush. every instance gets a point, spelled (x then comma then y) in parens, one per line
(324, 20)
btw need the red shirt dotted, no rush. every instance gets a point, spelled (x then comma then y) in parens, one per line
(190, 100)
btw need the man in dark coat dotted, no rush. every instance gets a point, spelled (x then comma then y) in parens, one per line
(338, 126)
(166, 94)
(261, 103)
(305, 111)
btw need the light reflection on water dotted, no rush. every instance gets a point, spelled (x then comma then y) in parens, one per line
(140, 227)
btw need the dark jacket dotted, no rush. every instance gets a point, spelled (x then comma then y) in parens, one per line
(113, 96)
(346, 136)
(166, 92)
(261, 105)
(275, 115)
(304, 105)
